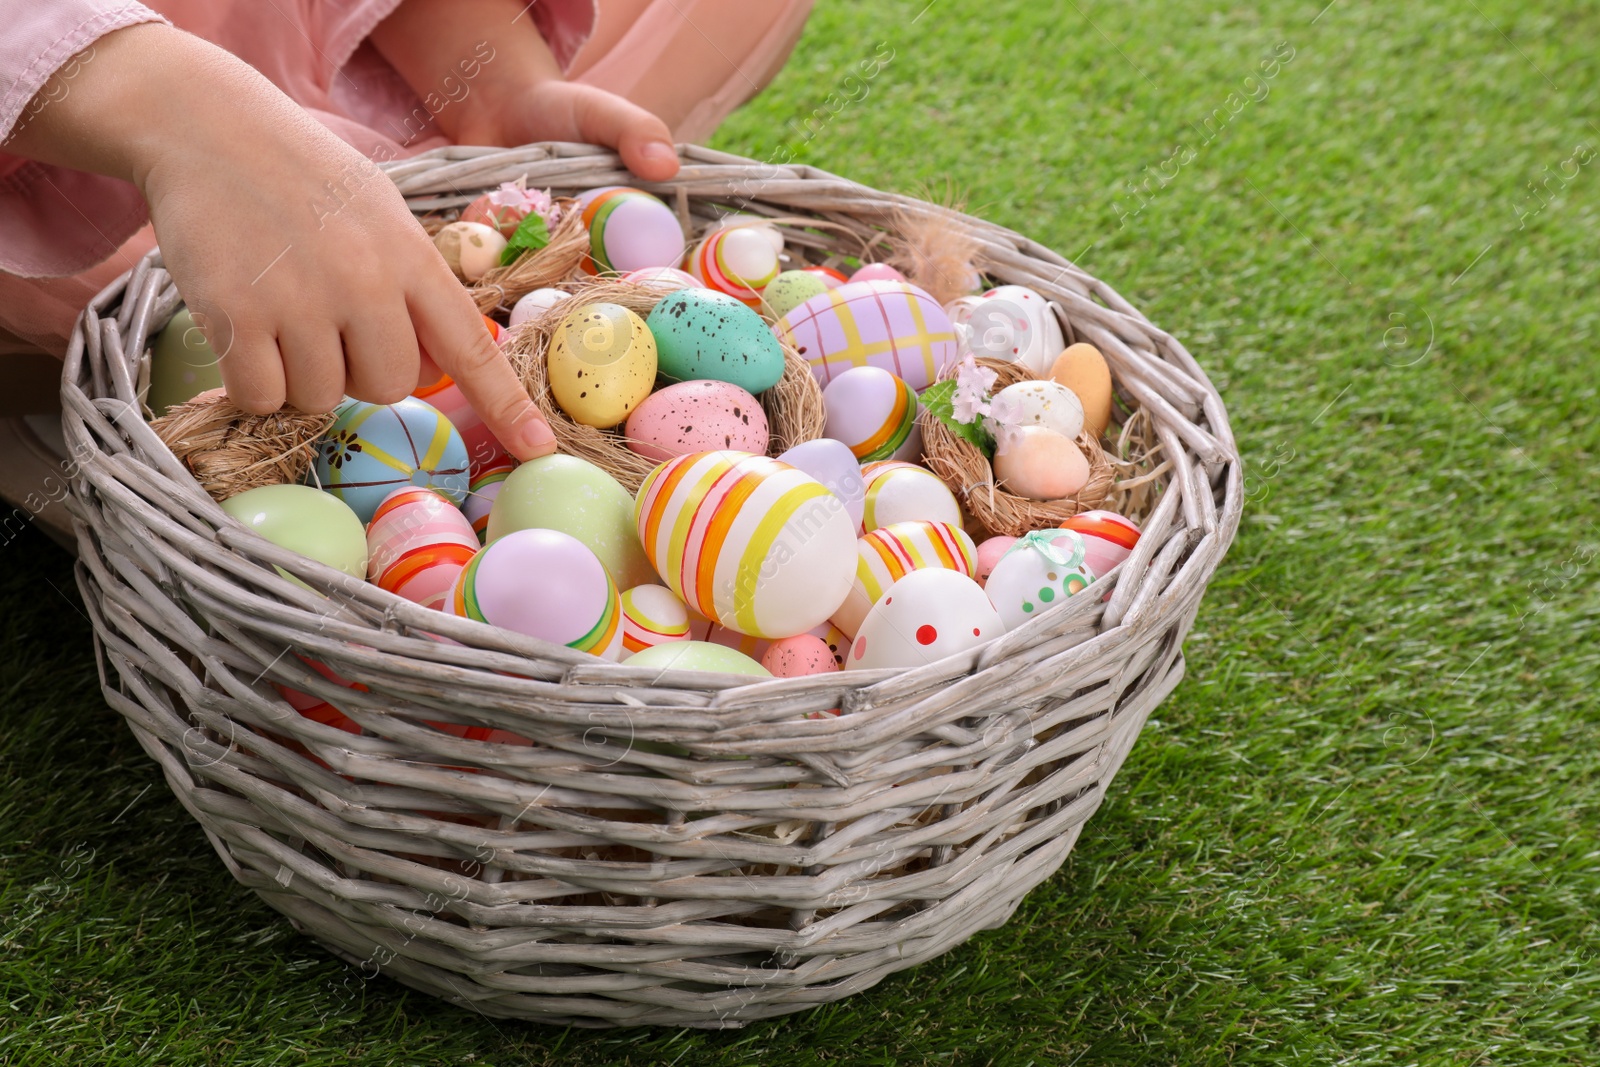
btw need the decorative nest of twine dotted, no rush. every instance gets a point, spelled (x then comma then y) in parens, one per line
(228, 450)
(793, 406)
(966, 470)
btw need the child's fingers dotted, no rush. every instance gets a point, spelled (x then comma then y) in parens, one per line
(642, 140)
(450, 328)
(380, 354)
(252, 371)
(313, 366)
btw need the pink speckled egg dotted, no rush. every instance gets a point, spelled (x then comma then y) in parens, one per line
(874, 413)
(877, 272)
(796, 657)
(417, 544)
(697, 416)
(989, 554)
(887, 324)
(1041, 465)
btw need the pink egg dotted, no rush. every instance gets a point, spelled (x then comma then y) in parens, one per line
(877, 272)
(667, 279)
(830, 277)
(697, 416)
(1108, 538)
(886, 324)
(1041, 465)
(874, 413)
(989, 554)
(795, 657)
(484, 449)
(417, 544)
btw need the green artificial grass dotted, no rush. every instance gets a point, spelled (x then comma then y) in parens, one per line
(1361, 831)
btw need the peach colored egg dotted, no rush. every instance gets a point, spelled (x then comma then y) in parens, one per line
(989, 554)
(1041, 465)
(1083, 369)
(795, 657)
(697, 416)
(877, 272)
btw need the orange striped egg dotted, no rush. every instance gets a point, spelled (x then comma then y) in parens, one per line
(480, 497)
(874, 413)
(739, 261)
(417, 544)
(889, 553)
(1108, 537)
(748, 541)
(903, 492)
(652, 615)
(629, 230)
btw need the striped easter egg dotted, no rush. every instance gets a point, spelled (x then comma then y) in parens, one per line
(1108, 537)
(889, 553)
(874, 413)
(417, 543)
(629, 230)
(888, 324)
(748, 541)
(902, 492)
(480, 497)
(739, 262)
(373, 449)
(652, 615)
(545, 584)
(703, 629)
(484, 449)
(316, 708)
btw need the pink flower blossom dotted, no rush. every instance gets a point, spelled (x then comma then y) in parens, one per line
(971, 397)
(517, 196)
(1004, 422)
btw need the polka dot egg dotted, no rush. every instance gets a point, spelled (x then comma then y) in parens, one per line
(874, 413)
(1040, 571)
(922, 618)
(901, 492)
(373, 449)
(652, 615)
(417, 544)
(545, 584)
(629, 230)
(889, 553)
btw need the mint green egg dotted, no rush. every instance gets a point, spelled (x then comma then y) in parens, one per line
(579, 499)
(789, 290)
(696, 656)
(182, 364)
(306, 520)
(701, 335)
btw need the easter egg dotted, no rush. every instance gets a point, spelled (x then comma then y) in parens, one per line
(1041, 464)
(470, 248)
(1109, 538)
(578, 498)
(989, 553)
(738, 261)
(534, 304)
(652, 615)
(602, 363)
(758, 223)
(877, 272)
(746, 540)
(754, 647)
(1083, 369)
(373, 449)
(874, 413)
(835, 466)
(1011, 322)
(314, 707)
(696, 656)
(1042, 402)
(837, 640)
(484, 449)
(798, 656)
(703, 629)
(182, 364)
(667, 279)
(417, 544)
(480, 497)
(306, 520)
(700, 334)
(901, 492)
(1040, 571)
(502, 209)
(892, 325)
(922, 618)
(545, 584)
(697, 417)
(789, 290)
(830, 277)
(629, 230)
(889, 553)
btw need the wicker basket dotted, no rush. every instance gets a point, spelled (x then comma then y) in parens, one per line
(677, 848)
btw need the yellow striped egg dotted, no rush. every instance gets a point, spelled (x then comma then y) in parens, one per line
(889, 553)
(748, 541)
(652, 615)
(902, 492)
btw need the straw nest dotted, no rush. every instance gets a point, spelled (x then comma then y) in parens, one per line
(229, 450)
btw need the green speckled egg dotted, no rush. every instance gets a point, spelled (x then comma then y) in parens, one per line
(697, 656)
(706, 336)
(182, 365)
(788, 291)
(602, 362)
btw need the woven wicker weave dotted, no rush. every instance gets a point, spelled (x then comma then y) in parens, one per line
(678, 848)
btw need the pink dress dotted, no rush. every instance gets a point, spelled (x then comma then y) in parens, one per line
(65, 235)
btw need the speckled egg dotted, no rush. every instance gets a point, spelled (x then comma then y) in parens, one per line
(889, 553)
(182, 365)
(887, 324)
(417, 544)
(922, 618)
(1041, 464)
(989, 553)
(696, 656)
(373, 449)
(877, 272)
(798, 656)
(788, 291)
(667, 279)
(535, 304)
(1042, 402)
(874, 413)
(738, 261)
(545, 584)
(902, 492)
(1109, 538)
(697, 417)
(602, 364)
(470, 248)
(1083, 369)
(1012, 322)
(704, 335)
(747, 540)
(652, 615)
(576, 497)
(480, 498)
(1041, 570)
(629, 230)
(304, 520)
(836, 467)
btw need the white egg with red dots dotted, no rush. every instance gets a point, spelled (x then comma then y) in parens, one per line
(922, 618)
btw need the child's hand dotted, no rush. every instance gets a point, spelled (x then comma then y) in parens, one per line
(306, 296)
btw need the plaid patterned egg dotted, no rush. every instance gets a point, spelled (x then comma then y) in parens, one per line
(889, 324)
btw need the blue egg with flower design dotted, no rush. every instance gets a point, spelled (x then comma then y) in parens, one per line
(373, 449)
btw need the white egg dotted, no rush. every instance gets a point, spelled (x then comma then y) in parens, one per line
(922, 618)
(834, 465)
(1010, 322)
(1043, 403)
(1040, 571)
(536, 303)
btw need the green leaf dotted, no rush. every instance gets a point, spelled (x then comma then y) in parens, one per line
(532, 234)
(939, 399)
